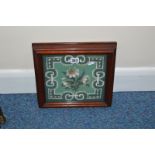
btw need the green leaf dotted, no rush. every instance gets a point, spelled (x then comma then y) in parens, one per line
(81, 76)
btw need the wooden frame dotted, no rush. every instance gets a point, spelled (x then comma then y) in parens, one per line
(93, 48)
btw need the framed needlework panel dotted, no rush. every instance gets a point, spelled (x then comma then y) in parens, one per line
(74, 74)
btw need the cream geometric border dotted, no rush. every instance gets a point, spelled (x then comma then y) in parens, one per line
(97, 73)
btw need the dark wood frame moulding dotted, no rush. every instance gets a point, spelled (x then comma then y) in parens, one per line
(40, 49)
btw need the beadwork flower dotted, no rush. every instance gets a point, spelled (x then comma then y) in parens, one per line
(73, 79)
(72, 73)
(85, 79)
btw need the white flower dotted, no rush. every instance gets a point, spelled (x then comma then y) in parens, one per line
(85, 79)
(72, 73)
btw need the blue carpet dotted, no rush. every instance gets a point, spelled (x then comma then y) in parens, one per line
(129, 110)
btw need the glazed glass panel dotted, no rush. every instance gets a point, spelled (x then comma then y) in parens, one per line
(74, 78)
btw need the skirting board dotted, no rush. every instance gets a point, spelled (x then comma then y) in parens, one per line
(126, 79)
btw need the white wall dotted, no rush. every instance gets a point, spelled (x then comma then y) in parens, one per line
(136, 45)
(135, 54)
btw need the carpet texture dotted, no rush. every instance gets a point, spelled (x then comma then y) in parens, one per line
(131, 110)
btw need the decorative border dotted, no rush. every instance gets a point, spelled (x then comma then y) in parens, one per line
(51, 74)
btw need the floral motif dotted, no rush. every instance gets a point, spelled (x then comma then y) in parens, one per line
(85, 79)
(72, 72)
(73, 79)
